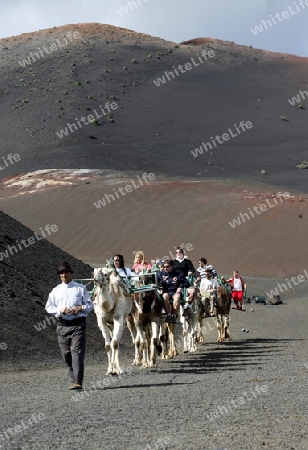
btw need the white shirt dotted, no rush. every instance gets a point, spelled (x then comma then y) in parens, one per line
(128, 273)
(237, 284)
(208, 285)
(67, 296)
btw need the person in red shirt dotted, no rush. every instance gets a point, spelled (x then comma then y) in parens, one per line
(238, 286)
(139, 263)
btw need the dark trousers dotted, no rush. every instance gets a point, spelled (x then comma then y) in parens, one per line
(72, 342)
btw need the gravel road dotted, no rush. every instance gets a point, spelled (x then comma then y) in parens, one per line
(250, 393)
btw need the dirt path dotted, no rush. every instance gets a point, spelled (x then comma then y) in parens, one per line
(250, 393)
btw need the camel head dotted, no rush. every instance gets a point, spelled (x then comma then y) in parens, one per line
(222, 292)
(102, 275)
(223, 300)
(110, 265)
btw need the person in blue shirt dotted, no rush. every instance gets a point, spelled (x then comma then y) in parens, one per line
(171, 283)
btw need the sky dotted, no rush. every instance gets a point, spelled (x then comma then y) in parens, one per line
(174, 20)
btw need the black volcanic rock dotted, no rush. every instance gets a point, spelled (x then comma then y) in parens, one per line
(110, 64)
(26, 278)
(29, 273)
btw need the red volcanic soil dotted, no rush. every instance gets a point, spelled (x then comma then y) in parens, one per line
(160, 215)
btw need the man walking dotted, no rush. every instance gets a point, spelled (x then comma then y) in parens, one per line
(70, 303)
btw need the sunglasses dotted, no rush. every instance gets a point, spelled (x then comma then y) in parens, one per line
(64, 272)
(166, 267)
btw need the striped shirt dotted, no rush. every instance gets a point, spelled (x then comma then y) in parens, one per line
(202, 270)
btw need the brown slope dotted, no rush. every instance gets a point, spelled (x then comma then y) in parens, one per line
(163, 214)
(155, 127)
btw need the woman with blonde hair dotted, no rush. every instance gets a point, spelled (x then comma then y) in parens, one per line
(139, 262)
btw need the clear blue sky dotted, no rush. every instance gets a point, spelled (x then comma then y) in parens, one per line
(175, 20)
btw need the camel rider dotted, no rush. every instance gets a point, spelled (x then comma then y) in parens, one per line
(172, 283)
(208, 289)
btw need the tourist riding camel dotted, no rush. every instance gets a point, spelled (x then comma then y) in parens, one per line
(186, 267)
(208, 290)
(172, 283)
(140, 264)
(203, 265)
(118, 261)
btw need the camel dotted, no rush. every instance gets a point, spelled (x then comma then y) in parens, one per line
(222, 308)
(189, 321)
(203, 305)
(143, 324)
(112, 304)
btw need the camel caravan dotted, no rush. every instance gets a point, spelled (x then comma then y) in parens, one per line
(152, 300)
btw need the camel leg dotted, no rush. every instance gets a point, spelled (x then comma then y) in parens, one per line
(219, 328)
(133, 331)
(226, 326)
(172, 350)
(199, 337)
(211, 305)
(118, 322)
(186, 341)
(102, 324)
(184, 323)
(141, 357)
(146, 345)
(223, 335)
(163, 337)
(193, 333)
(154, 336)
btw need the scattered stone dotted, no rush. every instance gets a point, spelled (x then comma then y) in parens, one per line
(303, 165)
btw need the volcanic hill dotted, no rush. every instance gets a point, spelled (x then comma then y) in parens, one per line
(153, 128)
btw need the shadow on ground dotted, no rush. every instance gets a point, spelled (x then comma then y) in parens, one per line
(229, 355)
